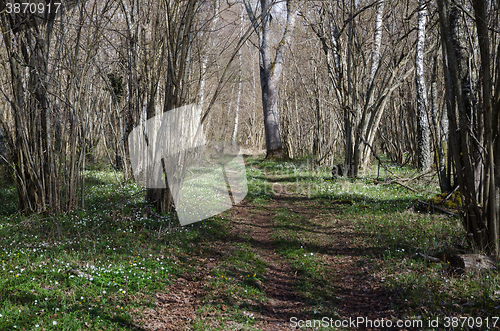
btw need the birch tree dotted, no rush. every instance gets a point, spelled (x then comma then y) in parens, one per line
(423, 131)
(361, 150)
(362, 88)
(240, 82)
(204, 61)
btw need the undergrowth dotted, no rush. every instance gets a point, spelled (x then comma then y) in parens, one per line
(393, 237)
(99, 267)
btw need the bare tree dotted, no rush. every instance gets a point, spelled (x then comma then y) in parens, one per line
(240, 82)
(179, 35)
(204, 62)
(271, 66)
(423, 142)
(362, 88)
(50, 100)
(472, 147)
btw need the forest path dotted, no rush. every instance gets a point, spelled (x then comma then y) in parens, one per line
(352, 291)
(279, 281)
(316, 266)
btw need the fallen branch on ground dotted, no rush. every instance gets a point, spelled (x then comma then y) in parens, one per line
(430, 258)
(437, 208)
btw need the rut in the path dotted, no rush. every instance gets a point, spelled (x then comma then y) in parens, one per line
(279, 281)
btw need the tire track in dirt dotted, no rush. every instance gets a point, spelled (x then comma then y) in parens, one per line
(359, 292)
(358, 288)
(280, 279)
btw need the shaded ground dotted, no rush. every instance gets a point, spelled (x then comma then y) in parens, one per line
(341, 249)
(352, 288)
(279, 285)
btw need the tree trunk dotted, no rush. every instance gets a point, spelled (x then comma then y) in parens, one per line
(178, 43)
(423, 140)
(32, 137)
(362, 152)
(240, 82)
(479, 218)
(270, 71)
(491, 187)
(204, 62)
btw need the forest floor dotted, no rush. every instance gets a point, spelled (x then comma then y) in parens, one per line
(302, 251)
(341, 288)
(321, 269)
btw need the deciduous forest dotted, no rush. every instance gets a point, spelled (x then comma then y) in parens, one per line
(362, 135)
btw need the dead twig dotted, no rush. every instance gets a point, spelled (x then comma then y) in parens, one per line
(430, 258)
(437, 208)
(448, 196)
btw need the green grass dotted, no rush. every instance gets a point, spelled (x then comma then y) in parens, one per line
(393, 234)
(125, 256)
(128, 254)
(234, 289)
(296, 241)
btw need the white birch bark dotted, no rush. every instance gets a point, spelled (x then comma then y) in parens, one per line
(238, 101)
(423, 131)
(361, 151)
(204, 62)
(377, 40)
